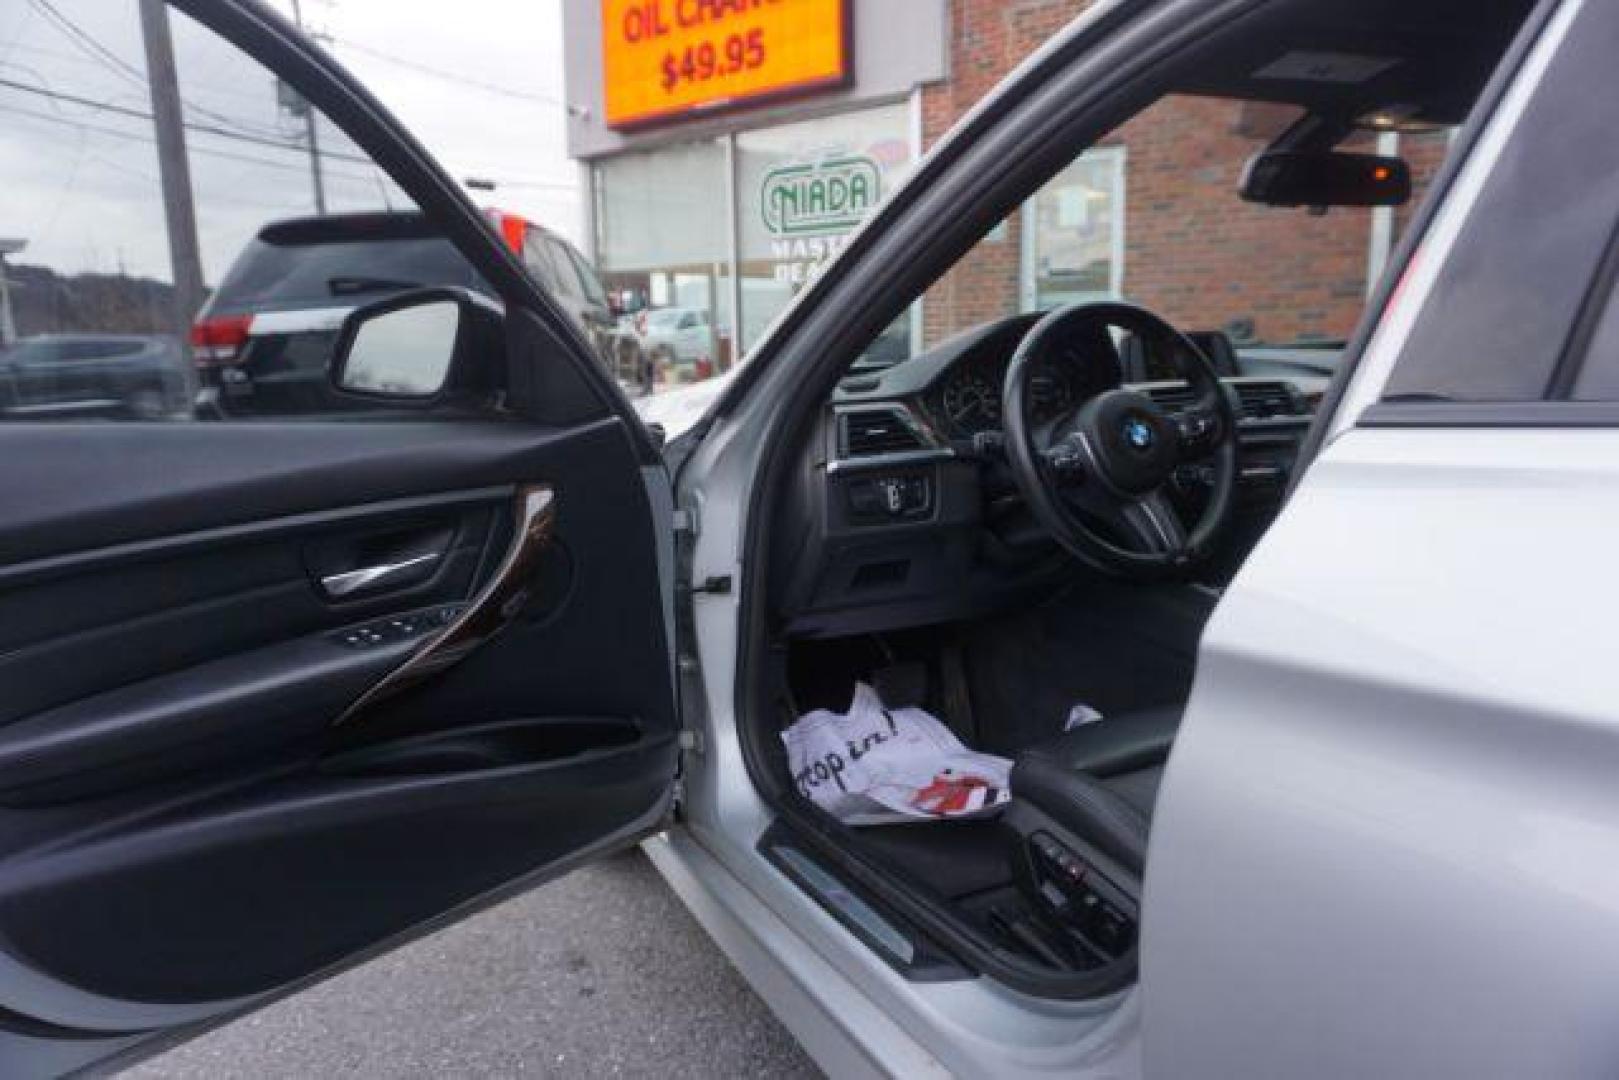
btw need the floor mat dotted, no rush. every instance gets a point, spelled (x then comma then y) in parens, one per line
(1027, 672)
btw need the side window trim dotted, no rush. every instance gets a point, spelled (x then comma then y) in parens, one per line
(1596, 306)
(1372, 397)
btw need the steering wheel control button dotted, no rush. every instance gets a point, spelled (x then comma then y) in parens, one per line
(1066, 460)
(1199, 432)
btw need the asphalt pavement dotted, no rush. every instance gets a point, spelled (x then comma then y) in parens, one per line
(603, 973)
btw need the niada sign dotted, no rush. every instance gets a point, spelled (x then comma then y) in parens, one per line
(831, 196)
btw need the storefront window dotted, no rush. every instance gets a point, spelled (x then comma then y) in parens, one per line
(802, 189)
(662, 249)
(1073, 233)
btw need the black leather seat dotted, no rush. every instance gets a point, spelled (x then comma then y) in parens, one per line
(1124, 752)
(1081, 814)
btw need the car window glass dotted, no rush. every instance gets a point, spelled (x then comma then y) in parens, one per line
(291, 232)
(539, 263)
(566, 271)
(1151, 214)
(1495, 326)
(587, 277)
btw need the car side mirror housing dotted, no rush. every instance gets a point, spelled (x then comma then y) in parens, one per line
(410, 347)
(1322, 179)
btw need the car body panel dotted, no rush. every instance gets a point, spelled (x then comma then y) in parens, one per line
(1385, 844)
(1388, 827)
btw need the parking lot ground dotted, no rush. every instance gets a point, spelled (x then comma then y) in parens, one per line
(603, 973)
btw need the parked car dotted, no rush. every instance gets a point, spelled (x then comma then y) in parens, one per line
(134, 376)
(1311, 745)
(573, 283)
(681, 336)
(263, 341)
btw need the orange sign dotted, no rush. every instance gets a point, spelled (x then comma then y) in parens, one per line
(664, 59)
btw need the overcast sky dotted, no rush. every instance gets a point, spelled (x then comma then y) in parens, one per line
(78, 179)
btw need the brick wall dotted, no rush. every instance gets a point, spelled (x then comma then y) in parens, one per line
(1193, 251)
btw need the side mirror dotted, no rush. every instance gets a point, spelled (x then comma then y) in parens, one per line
(1302, 178)
(404, 348)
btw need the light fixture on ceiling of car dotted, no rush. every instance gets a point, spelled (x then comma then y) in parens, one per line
(1401, 118)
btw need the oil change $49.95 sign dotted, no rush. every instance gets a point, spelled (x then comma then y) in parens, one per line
(664, 59)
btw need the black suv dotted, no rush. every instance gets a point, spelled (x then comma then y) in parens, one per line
(263, 341)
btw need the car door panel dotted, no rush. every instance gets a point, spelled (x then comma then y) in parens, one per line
(276, 694)
(288, 872)
(184, 820)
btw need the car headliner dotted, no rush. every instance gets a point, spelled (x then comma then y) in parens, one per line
(1350, 59)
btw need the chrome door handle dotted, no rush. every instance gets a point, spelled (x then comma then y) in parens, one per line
(350, 582)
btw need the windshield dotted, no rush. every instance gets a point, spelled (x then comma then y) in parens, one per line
(270, 275)
(1151, 214)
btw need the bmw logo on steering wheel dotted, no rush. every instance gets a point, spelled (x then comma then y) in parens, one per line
(1138, 433)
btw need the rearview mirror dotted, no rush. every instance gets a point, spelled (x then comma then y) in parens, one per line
(1301, 178)
(401, 348)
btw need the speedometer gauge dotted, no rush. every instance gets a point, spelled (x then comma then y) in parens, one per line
(972, 403)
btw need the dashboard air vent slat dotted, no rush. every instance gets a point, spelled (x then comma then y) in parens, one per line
(867, 434)
(1266, 399)
(1259, 399)
(1170, 398)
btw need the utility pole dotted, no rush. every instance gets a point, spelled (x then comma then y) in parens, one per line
(309, 130)
(174, 171)
(8, 321)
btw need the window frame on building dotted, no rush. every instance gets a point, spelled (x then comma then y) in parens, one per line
(1029, 295)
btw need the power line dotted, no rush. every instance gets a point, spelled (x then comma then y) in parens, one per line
(203, 129)
(135, 136)
(447, 76)
(91, 47)
(80, 58)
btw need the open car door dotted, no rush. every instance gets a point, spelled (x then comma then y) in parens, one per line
(276, 694)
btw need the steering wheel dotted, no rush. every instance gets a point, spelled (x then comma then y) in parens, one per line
(1095, 476)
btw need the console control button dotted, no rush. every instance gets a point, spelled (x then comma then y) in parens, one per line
(397, 627)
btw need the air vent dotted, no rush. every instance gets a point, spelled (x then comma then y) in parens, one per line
(867, 434)
(1266, 399)
(1172, 397)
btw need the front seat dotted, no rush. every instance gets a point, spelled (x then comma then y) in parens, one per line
(1124, 753)
(1080, 814)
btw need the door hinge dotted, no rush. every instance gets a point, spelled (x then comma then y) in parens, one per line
(686, 522)
(691, 742)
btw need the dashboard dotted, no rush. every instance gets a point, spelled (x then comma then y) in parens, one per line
(906, 512)
(967, 401)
